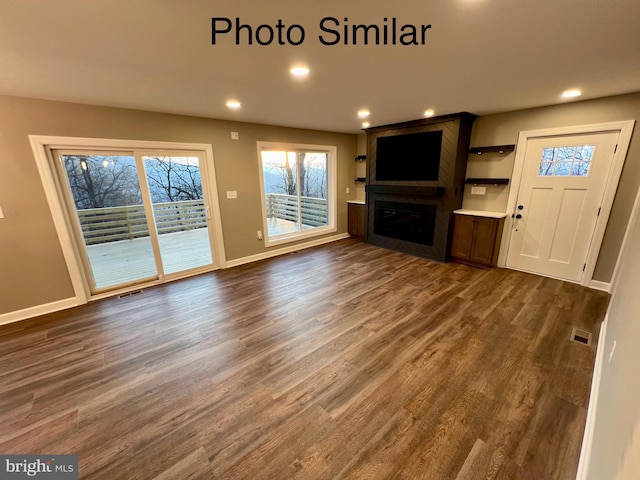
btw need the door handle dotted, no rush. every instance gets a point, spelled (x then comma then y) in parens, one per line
(520, 207)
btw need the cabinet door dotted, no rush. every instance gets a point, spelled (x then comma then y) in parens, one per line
(355, 214)
(462, 236)
(361, 220)
(484, 240)
(352, 214)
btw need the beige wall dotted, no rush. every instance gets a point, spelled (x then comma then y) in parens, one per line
(504, 128)
(32, 268)
(361, 167)
(489, 165)
(615, 450)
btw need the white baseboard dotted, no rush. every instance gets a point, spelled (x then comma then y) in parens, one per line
(587, 439)
(30, 312)
(285, 250)
(597, 285)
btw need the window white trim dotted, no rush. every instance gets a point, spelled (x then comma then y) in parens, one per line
(332, 155)
(42, 145)
(626, 129)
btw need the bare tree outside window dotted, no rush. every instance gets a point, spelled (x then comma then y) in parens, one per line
(173, 179)
(283, 169)
(574, 161)
(102, 181)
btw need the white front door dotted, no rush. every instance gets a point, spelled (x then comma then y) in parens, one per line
(561, 190)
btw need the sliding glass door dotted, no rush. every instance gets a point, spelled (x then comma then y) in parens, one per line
(180, 212)
(138, 216)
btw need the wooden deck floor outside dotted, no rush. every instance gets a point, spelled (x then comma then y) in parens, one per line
(342, 361)
(124, 261)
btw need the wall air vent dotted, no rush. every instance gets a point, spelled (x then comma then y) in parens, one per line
(129, 294)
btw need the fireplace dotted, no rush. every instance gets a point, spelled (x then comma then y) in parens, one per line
(405, 221)
(415, 179)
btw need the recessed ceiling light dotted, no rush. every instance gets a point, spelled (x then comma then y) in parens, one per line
(363, 113)
(366, 124)
(571, 93)
(233, 104)
(299, 71)
(429, 113)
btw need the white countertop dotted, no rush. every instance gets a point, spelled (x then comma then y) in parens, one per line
(480, 213)
(359, 202)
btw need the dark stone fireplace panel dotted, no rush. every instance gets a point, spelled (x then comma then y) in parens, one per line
(421, 225)
(405, 221)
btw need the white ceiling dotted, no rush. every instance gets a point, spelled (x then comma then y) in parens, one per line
(481, 56)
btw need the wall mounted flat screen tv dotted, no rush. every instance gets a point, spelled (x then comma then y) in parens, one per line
(414, 156)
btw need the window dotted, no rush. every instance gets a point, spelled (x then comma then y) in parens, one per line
(298, 191)
(572, 161)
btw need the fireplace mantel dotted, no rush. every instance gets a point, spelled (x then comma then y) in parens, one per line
(402, 190)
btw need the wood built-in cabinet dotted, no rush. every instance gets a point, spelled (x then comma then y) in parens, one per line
(476, 238)
(356, 214)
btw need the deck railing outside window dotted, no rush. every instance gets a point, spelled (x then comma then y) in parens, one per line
(101, 225)
(285, 207)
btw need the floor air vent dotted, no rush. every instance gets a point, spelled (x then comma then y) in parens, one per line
(129, 294)
(580, 336)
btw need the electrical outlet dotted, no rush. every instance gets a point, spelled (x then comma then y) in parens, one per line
(347, 190)
(235, 136)
(478, 190)
(232, 194)
(260, 237)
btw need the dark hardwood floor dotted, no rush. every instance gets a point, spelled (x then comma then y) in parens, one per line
(343, 361)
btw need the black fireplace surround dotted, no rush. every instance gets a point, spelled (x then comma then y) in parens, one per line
(414, 215)
(405, 221)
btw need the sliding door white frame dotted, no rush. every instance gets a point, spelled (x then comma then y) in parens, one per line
(42, 147)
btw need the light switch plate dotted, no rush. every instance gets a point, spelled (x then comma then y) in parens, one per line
(1, 213)
(478, 190)
(232, 194)
(235, 136)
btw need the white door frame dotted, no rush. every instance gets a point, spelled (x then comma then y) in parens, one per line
(42, 145)
(626, 129)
